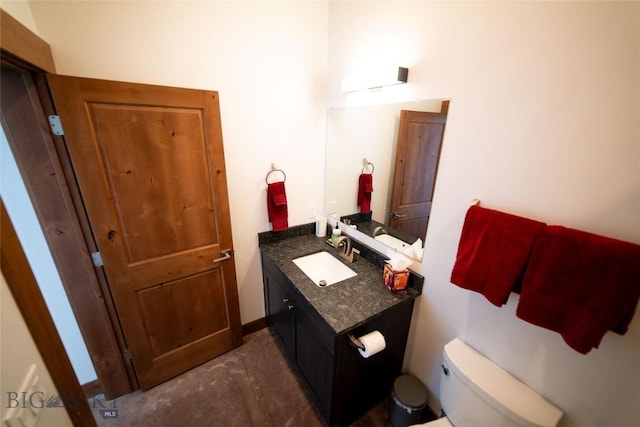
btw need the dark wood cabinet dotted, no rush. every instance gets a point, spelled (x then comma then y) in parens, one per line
(343, 384)
(281, 310)
(315, 360)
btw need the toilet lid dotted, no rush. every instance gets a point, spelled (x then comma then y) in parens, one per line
(440, 422)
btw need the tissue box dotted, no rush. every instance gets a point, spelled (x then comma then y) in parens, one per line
(395, 280)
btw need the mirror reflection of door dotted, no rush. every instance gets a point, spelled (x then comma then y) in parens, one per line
(418, 151)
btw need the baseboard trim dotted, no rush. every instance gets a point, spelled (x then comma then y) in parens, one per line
(254, 326)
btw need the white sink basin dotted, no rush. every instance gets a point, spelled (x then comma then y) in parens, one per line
(414, 251)
(394, 242)
(322, 266)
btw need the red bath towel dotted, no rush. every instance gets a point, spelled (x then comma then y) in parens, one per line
(493, 251)
(277, 206)
(365, 188)
(580, 285)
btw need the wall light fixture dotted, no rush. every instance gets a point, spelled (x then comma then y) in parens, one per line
(376, 80)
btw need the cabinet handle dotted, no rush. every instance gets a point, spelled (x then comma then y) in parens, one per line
(286, 301)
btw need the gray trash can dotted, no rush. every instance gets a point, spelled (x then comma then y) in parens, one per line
(409, 397)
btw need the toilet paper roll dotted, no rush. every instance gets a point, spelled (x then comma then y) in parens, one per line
(373, 343)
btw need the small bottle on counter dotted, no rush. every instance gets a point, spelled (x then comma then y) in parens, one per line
(335, 234)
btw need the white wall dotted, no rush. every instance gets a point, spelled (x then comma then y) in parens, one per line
(543, 123)
(266, 59)
(18, 352)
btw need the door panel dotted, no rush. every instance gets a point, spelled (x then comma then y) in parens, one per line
(150, 166)
(171, 320)
(167, 170)
(419, 140)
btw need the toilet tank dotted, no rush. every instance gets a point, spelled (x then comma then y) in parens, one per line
(475, 391)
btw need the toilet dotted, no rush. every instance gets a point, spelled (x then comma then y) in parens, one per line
(475, 391)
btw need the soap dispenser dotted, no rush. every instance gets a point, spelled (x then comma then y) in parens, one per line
(335, 234)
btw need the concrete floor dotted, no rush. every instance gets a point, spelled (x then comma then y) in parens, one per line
(249, 386)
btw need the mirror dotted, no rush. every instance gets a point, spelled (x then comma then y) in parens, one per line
(355, 136)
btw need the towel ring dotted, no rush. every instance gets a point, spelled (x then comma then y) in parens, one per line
(366, 163)
(284, 175)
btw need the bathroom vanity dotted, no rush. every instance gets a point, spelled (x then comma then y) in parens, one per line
(313, 324)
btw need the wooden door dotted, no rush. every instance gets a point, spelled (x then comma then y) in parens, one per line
(150, 167)
(53, 193)
(419, 140)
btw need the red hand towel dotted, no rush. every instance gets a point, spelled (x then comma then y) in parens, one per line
(277, 206)
(493, 251)
(365, 188)
(580, 285)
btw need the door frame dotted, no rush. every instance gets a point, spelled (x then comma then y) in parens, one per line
(86, 287)
(24, 289)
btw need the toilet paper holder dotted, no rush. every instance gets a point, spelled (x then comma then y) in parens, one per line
(355, 342)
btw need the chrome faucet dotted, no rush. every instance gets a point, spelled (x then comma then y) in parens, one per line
(345, 249)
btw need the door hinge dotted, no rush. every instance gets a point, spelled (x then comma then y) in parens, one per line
(97, 259)
(56, 126)
(126, 353)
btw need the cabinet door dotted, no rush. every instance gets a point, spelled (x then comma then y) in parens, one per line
(315, 361)
(280, 313)
(361, 383)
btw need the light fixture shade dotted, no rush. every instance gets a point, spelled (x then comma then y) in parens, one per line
(403, 74)
(376, 79)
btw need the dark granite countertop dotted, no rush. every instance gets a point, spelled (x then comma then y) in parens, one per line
(343, 305)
